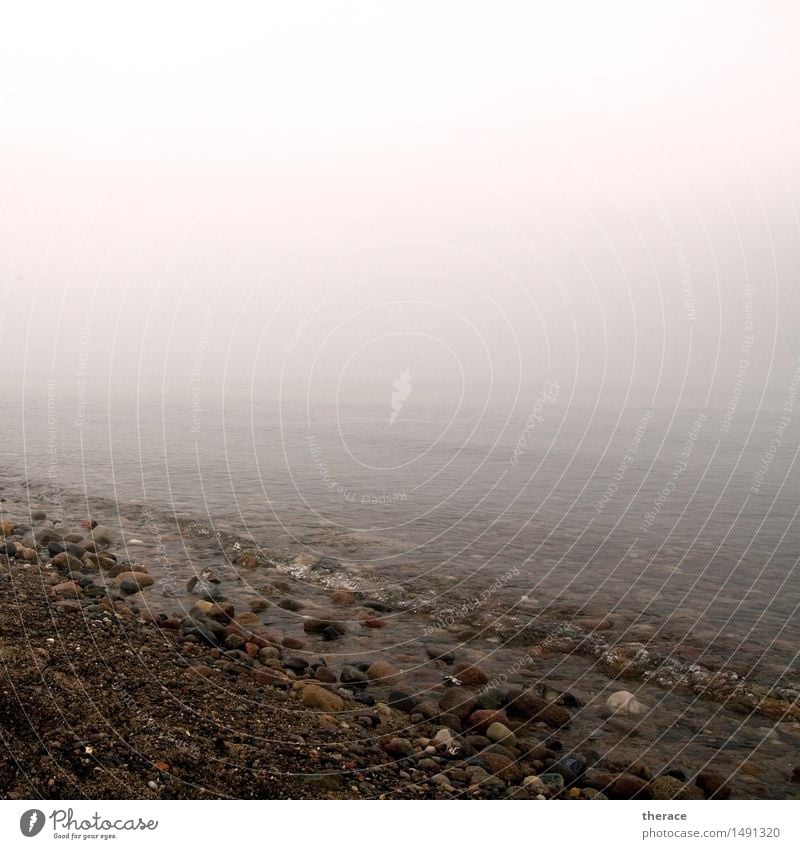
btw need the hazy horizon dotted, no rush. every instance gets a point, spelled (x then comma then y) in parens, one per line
(327, 197)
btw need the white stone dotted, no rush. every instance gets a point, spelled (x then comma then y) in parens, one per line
(624, 702)
(443, 736)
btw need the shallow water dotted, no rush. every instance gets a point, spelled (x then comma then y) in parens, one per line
(474, 539)
(662, 517)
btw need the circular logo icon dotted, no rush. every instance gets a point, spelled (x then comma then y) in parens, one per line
(31, 822)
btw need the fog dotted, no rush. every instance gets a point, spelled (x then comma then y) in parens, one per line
(282, 200)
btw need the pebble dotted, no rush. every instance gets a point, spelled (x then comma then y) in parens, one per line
(327, 676)
(623, 702)
(623, 786)
(553, 782)
(402, 700)
(443, 737)
(713, 784)
(457, 701)
(247, 561)
(530, 706)
(352, 676)
(343, 598)
(67, 562)
(440, 653)
(591, 793)
(316, 697)
(499, 733)
(102, 535)
(67, 589)
(381, 670)
(667, 787)
(134, 581)
(480, 720)
(317, 626)
(535, 784)
(470, 675)
(247, 618)
(398, 747)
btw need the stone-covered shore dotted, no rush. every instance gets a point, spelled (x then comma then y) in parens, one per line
(102, 697)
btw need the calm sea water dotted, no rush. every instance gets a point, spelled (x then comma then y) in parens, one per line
(684, 519)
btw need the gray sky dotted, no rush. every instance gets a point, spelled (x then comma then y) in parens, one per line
(326, 194)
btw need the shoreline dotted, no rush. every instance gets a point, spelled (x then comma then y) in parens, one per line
(371, 720)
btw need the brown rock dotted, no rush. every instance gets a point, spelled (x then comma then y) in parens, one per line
(247, 561)
(222, 611)
(529, 706)
(6, 528)
(325, 675)
(268, 653)
(247, 618)
(343, 598)
(67, 562)
(321, 699)
(67, 589)
(91, 561)
(667, 787)
(294, 643)
(713, 785)
(317, 626)
(373, 622)
(380, 670)
(138, 579)
(457, 701)
(272, 678)
(480, 720)
(470, 675)
(624, 786)
(499, 765)
(68, 605)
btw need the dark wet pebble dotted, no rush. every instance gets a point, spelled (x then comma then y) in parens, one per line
(553, 781)
(440, 653)
(203, 634)
(574, 762)
(377, 606)
(402, 700)
(353, 677)
(492, 698)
